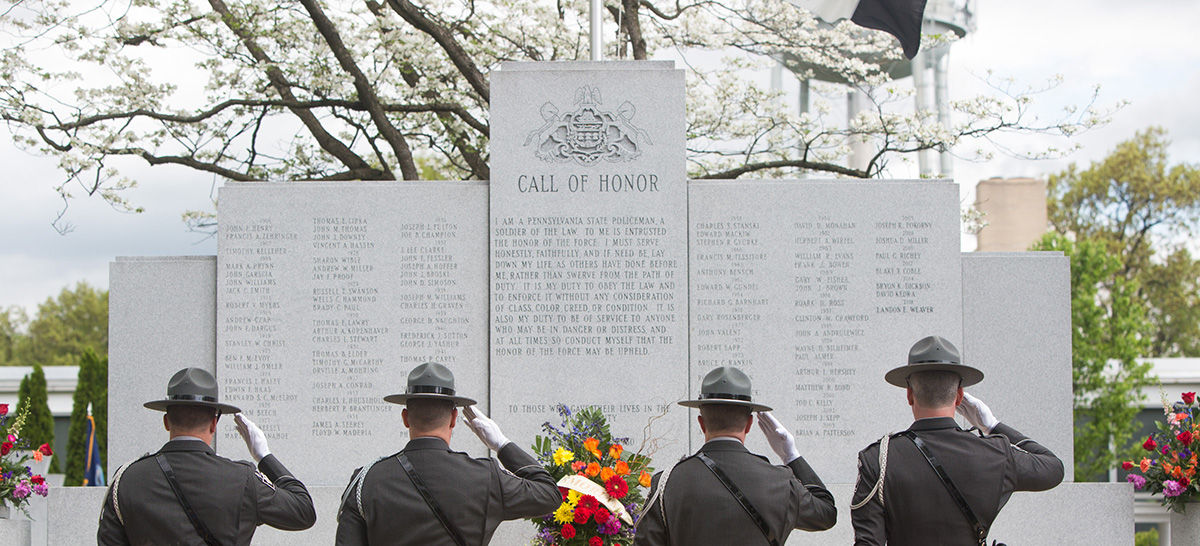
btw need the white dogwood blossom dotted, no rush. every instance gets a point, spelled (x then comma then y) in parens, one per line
(396, 89)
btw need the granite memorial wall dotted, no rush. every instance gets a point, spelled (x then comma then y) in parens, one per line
(588, 271)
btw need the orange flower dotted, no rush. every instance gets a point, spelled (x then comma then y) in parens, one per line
(622, 468)
(615, 451)
(592, 469)
(593, 446)
(37, 456)
(644, 479)
(1145, 464)
(1167, 467)
(606, 473)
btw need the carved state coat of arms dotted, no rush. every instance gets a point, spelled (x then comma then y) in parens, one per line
(588, 134)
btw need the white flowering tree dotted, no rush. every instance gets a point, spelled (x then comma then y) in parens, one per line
(395, 89)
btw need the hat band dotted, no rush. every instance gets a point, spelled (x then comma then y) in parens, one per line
(935, 361)
(724, 396)
(430, 389)
(192, 397)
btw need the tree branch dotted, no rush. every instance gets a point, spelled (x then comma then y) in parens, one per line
(461, 59)
(366, 93)
(326, 141)
(797, 163)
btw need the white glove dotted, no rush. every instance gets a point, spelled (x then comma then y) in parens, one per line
(782, 441)
(486, 429)
(256, 441)
(977, 413)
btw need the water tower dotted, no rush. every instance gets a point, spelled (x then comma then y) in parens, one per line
(929, 70)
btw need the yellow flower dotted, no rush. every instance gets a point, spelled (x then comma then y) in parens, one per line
(606, 473)
(573, 497)
(562, 456)
(615, 451)
(564, 514)
(622, 468)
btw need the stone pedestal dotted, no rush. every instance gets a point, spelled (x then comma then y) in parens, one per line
(1185, 527)
(14, 532)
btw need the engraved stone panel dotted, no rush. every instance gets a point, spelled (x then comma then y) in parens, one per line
(329, 293)
(588, 245)
(816, 289)
(162, 318)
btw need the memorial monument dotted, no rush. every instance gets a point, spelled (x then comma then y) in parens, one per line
(589, 270)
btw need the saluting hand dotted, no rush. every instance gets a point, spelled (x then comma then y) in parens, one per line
(782, 441)
(486, 429)
(977, 413)
(256, 440)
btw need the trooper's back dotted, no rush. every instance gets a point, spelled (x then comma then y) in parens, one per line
(230, 497)
(699, 510)
(917, 508)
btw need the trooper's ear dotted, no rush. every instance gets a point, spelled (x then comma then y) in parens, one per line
(908, 390)
(958, 398)
(453, 417)
(404, 416)
(166, 423)
(700, 419)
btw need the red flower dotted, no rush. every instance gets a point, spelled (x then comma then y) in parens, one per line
(1184, 481)
(45, 449)
(1149, 444)
(5, 448)
(37, 479)
(595, 541)
(616, 487)
(1185, 437)
(589, 502)
(602, 516)
(1188, 398)
(1127, 465)
(3, 410)
(568, 531)
(582, 513)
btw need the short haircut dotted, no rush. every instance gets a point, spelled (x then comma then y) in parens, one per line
(722, 418)
(428, 413)
(934, 389)
(188, 417)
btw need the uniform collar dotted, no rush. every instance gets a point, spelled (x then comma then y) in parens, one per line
(187, 444)
(427, 442)
(934, 423)
(723, 445)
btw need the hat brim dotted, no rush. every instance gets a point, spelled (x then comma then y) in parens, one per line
(161, 405)
(460, 401)
(899, 376)
(724, 402)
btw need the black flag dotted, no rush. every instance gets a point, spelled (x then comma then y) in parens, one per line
(900, 18)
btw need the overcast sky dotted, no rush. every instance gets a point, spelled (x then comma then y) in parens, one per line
(1145, 52)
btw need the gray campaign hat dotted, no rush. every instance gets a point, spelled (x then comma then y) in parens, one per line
(933, 353)
(430, 380)
(191, 387)
(725, 385)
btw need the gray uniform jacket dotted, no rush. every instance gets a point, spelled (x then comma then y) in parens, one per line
(228, 496)
(699, 510)
(475, 495)
(917, 509)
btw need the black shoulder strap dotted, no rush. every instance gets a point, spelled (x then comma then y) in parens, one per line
(981, 530)
(737, 494)
(433, 505)
(187, 508)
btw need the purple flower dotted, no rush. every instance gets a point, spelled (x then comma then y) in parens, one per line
(1172, 488)
(1137, 481)
(41, 489)
(21, 490)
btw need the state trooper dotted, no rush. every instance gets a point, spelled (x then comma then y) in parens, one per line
(186, 494)
(724, 494)
(942, 484)
(428, 494)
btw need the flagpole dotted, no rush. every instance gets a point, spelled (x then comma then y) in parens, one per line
(594, 14)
